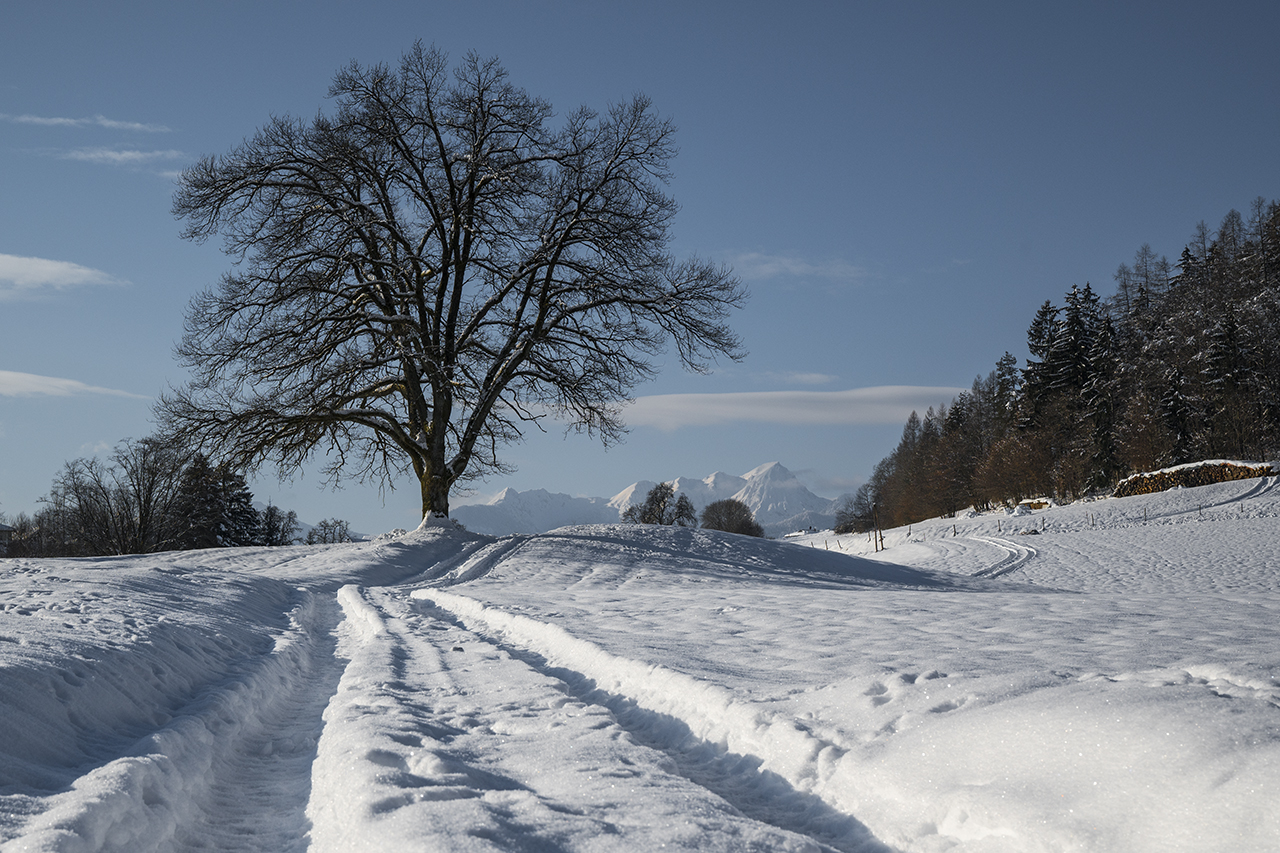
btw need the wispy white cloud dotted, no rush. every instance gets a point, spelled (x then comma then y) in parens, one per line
(91, 121)
(120, 157)
(758, 266)
(14, 384)
(22, 277)
(888, 404)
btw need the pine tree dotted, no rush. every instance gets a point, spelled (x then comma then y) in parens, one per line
(214, 507)
(1100, 397)
(1035, 378)
(199, 510)
(1176, 413)
(682, 513)
(239, 524)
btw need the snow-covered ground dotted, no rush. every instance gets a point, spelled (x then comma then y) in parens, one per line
(1111, 683)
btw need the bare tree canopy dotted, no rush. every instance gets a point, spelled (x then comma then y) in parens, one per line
(429, 270)
(731, 516)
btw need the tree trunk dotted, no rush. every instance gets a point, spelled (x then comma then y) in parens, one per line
(435, 494)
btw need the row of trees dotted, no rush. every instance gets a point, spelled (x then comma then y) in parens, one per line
(149, 496)
(1181, 363)
(662, 506)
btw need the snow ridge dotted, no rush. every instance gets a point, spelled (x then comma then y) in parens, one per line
(241, 750)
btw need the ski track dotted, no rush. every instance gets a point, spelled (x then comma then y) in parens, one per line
(229, 770)
(760, 764)
(1016, 556)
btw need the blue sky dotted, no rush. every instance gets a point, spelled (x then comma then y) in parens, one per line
(900, 185)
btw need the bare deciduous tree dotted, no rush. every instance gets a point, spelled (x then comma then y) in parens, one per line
(329, 532)
(429, 270)
(662, 506)
(124, 506)
(731, 516)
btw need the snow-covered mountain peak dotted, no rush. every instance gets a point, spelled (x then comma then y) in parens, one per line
(722, 482)
(780, 502)
(773, 471)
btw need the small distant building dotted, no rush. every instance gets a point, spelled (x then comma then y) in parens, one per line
(6, 533)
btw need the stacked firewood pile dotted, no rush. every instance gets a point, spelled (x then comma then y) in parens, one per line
(1201, 474)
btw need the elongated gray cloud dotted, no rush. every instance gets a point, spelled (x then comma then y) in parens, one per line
(759, 266)
(887, 404)
(91, 121)
(23, 277)
(120, 157)
(14, 384)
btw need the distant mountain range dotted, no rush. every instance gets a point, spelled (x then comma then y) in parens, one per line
(780, 502)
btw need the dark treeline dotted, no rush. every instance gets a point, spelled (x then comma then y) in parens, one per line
(1181, 363)
(149, 496)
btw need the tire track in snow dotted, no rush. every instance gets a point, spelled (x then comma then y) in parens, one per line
(260, 782)
(474, 561)
(767, 767)
(231, 770)
(1262, 486)
(430, 745)
(1016, 556)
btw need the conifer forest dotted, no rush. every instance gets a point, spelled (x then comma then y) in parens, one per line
(1180, 363)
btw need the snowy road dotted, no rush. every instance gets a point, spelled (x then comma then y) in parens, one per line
(1108, 684)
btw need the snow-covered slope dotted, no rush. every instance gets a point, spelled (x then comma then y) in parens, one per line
(1110, 683)
(780, 502)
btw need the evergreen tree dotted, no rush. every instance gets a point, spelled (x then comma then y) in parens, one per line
(240, 523)
(1176, 413)
(1101, 401)
(214, 507)
(1173, 368)
(1035, 378)
(199, 507)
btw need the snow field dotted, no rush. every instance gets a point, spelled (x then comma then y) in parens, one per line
(1111, 683)
(958, 717)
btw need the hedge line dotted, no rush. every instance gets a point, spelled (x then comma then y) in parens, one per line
(1191, 475)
